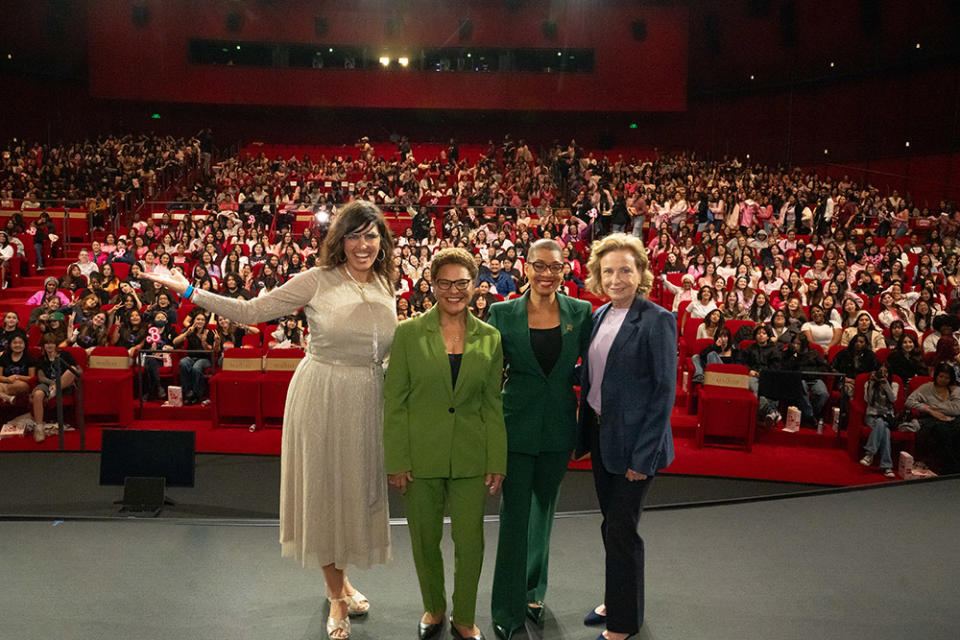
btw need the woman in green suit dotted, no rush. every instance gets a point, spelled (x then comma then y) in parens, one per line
(444, 438)
(543, 335)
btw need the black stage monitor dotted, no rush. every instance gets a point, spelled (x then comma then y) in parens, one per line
(157, 454)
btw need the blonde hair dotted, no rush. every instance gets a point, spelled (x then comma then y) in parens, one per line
(619, 242)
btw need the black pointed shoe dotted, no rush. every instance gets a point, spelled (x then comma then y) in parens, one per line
(426, 631)
(502, 633)
(459, 636)
(537, 614)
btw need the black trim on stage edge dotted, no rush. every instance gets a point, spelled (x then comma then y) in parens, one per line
(268, 522)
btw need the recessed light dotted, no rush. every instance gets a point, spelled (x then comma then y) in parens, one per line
(752, 76)
(907, 143)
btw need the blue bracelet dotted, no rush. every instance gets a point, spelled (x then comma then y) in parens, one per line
(188, 292)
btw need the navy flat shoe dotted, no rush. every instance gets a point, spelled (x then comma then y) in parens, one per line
(594, 619)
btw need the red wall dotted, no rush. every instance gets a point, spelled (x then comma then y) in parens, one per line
(151, 63)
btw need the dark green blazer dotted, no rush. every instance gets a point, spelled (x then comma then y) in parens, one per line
(430, 427)
(540, 411)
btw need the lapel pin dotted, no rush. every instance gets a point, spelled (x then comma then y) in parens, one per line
(569, 328)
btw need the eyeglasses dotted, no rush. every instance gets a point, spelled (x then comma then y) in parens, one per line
(461, 285)
(370, 236)
(541, 267)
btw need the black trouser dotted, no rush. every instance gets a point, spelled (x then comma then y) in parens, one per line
(939, 442)
(621, 503)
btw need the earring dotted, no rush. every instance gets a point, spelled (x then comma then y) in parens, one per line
(381, 255)
(342, 258)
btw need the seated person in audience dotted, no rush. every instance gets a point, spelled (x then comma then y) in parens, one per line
(122, 254)
(820, 332)
(7, 252)
(163, 302)
(11, 328)
(95, 286)
(938, 404)
(702, 305)
(85, 264)
(760, 311)
(762, 355)
(780, 330)
(879, 396)
(49, 291)
(483, 289)
(906, 360)
(73, 281)
(52, 362)
(92, 333)
(892, 312)
(130, 334)
(125, 303)
(200, 343)
(943, 326)
(230, 334)
(894, 331)
(17, 369)
(948, 353)
(499, 280)
(684, 293)
(710, 325)
(732, 310)
(865, 328)
(288, 335)
(866, 285)
(796, 318)
(857, 358)
(799, 356)
(159, 338)
(720, 352)
(850, 313)
(86, 307)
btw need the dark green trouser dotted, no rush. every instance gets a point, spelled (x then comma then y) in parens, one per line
(424, 502)
(526, 518)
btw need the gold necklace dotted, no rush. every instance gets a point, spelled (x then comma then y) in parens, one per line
(355, 281)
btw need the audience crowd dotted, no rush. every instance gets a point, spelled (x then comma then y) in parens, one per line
(775, 268)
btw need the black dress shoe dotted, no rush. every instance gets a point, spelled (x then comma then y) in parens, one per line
(502, 633)
(427, 631)
(536, 614)
(459, 636)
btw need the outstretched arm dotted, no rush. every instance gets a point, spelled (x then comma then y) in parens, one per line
(281, 301)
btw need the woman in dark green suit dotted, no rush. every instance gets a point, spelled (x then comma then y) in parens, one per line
(543, 335)
(444, 438)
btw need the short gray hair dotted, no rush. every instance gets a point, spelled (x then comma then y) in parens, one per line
(543, 244)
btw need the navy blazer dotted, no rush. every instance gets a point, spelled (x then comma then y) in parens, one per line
(638, 395)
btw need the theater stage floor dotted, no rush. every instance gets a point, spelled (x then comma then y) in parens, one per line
(874, 564)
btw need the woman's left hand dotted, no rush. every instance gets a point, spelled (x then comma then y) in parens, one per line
(633, 476)
(494, 480)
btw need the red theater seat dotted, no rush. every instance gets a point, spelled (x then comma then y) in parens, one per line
(235, 389)
(108, 385)
(728, 408)
(278, 369)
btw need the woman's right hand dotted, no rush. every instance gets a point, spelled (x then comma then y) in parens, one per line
(400, 480)
(174, 282)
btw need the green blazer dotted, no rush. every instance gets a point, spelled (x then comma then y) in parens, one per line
(429, 427)
(540, 410)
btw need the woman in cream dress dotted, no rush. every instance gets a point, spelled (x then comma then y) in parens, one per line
(333, 498)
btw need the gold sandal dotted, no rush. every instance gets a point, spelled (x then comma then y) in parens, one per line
(334, 626)
(357, 604)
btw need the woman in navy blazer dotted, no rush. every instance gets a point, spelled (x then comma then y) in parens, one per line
(627, 393)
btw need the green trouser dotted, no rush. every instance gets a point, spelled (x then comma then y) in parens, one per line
(424, 501)
(526, 518)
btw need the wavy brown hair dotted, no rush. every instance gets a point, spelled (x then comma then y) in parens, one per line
(355, 216)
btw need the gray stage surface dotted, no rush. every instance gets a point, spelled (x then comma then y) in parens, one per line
(871, 564)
